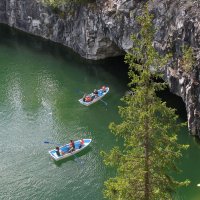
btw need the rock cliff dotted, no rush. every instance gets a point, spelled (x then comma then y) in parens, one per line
(102, 29)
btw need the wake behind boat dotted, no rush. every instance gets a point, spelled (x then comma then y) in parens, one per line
(65, 149)
(94, 96)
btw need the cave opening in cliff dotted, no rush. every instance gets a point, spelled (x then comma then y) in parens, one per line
(115, 65)
(175, 102)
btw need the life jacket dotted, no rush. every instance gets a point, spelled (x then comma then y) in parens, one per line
(88, 98)
(100, 92)
(72, 145)
(103, 88)
(82, 142)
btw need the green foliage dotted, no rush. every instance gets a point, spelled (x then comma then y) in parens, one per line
(149, 129)
(187, 61)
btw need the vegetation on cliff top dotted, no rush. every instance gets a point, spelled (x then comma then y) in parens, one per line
(188, 60)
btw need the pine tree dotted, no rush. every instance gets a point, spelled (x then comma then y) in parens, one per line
(149, 128)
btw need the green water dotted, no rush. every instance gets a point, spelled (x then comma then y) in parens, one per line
(40, 84)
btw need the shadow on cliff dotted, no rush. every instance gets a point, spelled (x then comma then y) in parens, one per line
(14, 38)
(115, 66)
(175, 102)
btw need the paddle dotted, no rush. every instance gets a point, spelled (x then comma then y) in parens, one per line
(103, 102)
(47, 142)
(77, 159)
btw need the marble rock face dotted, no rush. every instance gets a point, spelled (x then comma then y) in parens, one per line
(103, 29)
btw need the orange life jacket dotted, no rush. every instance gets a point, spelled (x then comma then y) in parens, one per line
(82, 142)
(88, 99)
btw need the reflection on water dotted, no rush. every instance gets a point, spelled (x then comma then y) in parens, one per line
(40, 84)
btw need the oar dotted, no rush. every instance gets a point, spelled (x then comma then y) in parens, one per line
(103, 102)
(77, 159)
(47, 142)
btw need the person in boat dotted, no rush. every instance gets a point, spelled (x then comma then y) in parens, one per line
(87, 98)
(100, 92)
(95, 92)
(84, 97)
(81, 143)
(71, 146)
(103, 88)
(58, 151)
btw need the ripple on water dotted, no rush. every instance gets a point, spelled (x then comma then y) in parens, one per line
(39, 102)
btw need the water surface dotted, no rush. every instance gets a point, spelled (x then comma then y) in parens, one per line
(40, 84)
